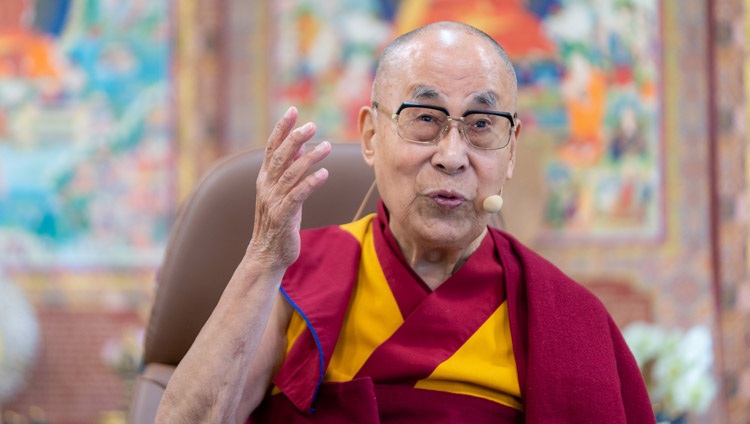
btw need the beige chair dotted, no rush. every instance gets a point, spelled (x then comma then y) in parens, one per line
(206, 243)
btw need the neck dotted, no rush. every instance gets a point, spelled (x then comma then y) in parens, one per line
(436, 264)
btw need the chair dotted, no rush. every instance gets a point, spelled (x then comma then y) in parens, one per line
(208, 240)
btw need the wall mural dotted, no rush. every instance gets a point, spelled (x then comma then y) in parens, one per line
(588, 74)
(86, 157)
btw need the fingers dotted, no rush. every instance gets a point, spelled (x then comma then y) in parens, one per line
(296, 170)
(291, 148)
(285, 195)
(281, 130)
(296, 184)
(285, 159)
(285, 181)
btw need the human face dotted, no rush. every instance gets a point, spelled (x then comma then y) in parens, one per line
(434, 192)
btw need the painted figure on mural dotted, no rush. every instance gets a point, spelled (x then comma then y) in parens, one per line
(25, 45)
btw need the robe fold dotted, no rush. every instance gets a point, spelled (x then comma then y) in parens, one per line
(569, 361)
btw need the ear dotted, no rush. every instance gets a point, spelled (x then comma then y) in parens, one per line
(366, 124)
(512, 152)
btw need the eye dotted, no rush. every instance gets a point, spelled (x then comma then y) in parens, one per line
(424, 116)
(479, 122)
(482, 123)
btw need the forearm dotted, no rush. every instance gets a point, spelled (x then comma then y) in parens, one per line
(208, 384)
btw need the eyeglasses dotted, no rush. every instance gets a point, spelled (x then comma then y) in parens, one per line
(426, 124)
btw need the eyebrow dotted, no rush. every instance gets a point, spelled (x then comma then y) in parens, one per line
(486, 98)
(424, 92)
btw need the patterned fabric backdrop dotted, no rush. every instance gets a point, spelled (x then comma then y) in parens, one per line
(86, 153)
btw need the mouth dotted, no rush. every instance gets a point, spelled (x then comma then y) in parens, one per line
(447, 198)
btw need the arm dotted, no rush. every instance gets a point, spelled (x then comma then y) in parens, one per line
(268, 359)
(227, 369)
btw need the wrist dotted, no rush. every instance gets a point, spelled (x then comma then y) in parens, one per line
(269, 256)
(263, 264)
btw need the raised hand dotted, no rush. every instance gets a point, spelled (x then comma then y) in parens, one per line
(282, 187)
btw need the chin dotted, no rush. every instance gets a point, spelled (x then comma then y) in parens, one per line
(450, 232)
(439, 227)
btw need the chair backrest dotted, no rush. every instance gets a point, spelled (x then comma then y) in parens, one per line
(208, 240)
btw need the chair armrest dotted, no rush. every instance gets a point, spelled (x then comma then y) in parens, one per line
(149, 389)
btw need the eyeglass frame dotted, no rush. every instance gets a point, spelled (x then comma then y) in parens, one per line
(405, 105)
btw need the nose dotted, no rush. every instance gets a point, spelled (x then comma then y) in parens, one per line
(451, 156)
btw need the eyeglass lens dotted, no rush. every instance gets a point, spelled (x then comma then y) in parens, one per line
(425, 125)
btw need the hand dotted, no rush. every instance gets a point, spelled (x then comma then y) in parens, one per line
(282, 187)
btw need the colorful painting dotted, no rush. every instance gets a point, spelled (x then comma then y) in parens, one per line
(588, 74)
(86, 157)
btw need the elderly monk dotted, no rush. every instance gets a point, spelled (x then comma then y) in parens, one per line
(420, 312)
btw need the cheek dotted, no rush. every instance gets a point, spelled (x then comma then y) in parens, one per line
(398, 178)
(492, 174)
(397, 173)
(405, 162)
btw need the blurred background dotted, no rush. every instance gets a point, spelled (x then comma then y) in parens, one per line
(632, 176)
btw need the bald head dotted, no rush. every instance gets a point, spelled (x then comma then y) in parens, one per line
(392, 53)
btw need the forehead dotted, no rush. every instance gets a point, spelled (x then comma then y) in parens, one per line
(450, 67)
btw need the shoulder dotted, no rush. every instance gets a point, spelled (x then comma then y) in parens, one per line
(336, 235)
(319, 241)
(543, 281)
(321, 247)
(325, 271)
(329, 253)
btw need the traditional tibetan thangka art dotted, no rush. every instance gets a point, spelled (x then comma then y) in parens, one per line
(86, 157)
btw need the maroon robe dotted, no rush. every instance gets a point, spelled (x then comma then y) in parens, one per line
(572, 362)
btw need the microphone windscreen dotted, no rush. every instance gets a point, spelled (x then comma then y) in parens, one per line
(493, 204)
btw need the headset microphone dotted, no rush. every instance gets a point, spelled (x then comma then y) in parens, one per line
(493, 204)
